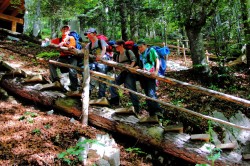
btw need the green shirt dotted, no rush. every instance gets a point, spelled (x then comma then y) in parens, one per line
(148, 62)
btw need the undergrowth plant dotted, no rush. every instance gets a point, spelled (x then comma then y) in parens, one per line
(36, 131)
(48, 55)
(29, 116)
(214, 153)
(137, 151)
(72, 155)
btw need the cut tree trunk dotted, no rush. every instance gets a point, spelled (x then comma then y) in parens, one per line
(177, 144)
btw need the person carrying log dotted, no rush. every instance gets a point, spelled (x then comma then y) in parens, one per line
(128, 58)
(65, 57)
(97, 51)
(149, 61)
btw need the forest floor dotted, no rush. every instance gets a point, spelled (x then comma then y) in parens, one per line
(29, 136)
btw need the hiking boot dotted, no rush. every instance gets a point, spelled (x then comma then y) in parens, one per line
(150, 119)
(114, 101)
(72, 88)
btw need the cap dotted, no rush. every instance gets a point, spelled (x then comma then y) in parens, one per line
(111, 42)
(90, 30)
(119, 42)
(141, 42)
(65, 26)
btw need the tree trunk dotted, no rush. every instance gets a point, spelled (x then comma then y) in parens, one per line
(245, 5)
(197, 49)
(37, 21)
(123, 18)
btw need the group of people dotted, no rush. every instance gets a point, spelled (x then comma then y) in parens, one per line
(97, 50)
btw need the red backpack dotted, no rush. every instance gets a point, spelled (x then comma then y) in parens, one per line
(131, 45)
(102, 37)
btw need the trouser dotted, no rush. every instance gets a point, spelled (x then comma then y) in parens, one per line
(149, 87)
(129, 82)
(72, 72)
(102, 69)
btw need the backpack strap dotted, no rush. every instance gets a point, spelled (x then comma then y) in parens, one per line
(127, 54)
(148, 56)
(99, 45)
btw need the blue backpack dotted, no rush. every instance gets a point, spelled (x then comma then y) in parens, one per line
(78, 39)
(162, 53)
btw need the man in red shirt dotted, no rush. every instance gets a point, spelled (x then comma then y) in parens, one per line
(65, 57)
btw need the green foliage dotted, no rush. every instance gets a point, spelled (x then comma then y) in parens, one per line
(214, 153)
(15, 2)
(11, 57)
(120, 92)
(177, 102)
(214, 87)
(47, 126)
(48, 55)
(73, 154)
(29, 116)
(46, 33)
(135, 150)
(36, 131)
(202, 165)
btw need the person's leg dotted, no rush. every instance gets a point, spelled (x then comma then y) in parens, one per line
(53, 69)
(102, 86)
(115, 98)
(150, 91)
(130, 83)
(73, 74)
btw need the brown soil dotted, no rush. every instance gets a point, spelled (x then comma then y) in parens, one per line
(31, 137)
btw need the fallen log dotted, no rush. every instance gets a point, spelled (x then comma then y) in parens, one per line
(19, 35)
(177, 144)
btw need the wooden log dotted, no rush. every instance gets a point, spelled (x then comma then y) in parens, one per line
(128, 110)
(34, 78)
(19, 35)
(246, 156)
(102, 101)
(176, 144)
(172, 81)
(95, 73)
(54, 85)
(230, 145)
(85, 94)
(204, 137)
(178, 128)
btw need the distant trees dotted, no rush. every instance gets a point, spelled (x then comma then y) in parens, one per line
(225, 28)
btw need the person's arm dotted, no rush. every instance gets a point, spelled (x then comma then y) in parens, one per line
(132, 58)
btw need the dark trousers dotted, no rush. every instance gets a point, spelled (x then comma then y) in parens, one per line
(102, 69)
(129, 82)
(72, 72)
(149, 87)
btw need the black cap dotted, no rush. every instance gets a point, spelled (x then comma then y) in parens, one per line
(119, 42)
